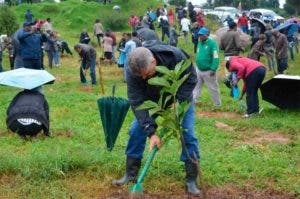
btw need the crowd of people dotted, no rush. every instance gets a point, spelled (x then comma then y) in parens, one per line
(141, 51)
(26, 47)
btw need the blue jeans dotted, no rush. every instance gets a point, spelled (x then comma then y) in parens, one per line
(244, 29)
(92, 64)
(253, 82)
(18, 62)
(56, 57)
(50, 58)
(137, 141)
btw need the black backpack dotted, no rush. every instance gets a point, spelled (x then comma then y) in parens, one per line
(28, 105)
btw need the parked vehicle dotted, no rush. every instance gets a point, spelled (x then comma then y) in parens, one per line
(232, 10)
(265, 15)
(223, 12)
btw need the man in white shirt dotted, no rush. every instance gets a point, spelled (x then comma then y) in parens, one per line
(185, 27)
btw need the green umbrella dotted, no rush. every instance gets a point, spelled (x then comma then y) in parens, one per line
(112, 112)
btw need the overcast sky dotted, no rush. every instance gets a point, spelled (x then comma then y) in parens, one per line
(199, 2)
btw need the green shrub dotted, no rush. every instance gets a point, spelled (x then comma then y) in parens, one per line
(115, 21)
(50, 8)
(8, 21)
(178, 2)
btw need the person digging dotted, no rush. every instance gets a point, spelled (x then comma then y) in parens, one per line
(142, 66)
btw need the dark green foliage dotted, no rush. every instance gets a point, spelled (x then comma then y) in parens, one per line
(178, 2)
(292, 7)
(116, 21)
(248, 4)
(8, 21)
(50, 8)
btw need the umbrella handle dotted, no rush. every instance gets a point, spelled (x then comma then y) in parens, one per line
(113, 90)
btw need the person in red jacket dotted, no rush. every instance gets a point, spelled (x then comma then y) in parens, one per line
(200, 19)
(253, 73)
(243, 23)
(133, 21)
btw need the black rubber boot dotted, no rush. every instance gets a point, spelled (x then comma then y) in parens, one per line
(191, 179)
(133, 166)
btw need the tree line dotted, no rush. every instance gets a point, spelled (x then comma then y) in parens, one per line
(291, 7)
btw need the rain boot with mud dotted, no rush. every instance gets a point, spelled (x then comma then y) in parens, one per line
(191, 179)
(133, 166)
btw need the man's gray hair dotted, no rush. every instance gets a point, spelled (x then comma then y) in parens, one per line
(138, 59)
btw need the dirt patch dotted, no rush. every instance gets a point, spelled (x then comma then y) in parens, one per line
(6, 179)
(211, 114)
(2, 133)
(63, 134)
(262, 136)
(222, 125)
(86, 88)
(58, 78)
(146, 196)
(223, 192)
(229, 192)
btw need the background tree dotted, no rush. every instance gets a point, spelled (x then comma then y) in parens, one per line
(247, 4)
(178, 2)
(292, 7)
(289, 9)
(269, 4)
(223, 3)
(8, 21)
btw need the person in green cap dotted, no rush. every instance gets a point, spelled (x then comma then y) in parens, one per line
(207, 61)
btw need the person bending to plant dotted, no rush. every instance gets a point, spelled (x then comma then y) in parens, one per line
(148, 99)
(253, 73)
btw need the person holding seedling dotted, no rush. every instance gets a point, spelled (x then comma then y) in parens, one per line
(143, 64)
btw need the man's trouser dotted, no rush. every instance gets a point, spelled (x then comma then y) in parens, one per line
(32, 63)
(212, 85)
(253, 82)
(136, 144)
(92, 64)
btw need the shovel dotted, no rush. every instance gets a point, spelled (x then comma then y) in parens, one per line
(136, 191)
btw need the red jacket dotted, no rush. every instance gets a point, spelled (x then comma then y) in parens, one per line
(133, 21)
(243, 66)
(243, 21)
(200, 20)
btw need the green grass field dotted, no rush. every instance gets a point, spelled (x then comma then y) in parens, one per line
(255, 158)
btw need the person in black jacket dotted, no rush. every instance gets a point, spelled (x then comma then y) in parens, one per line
(88, 60)
(84, 37)
(142, 63)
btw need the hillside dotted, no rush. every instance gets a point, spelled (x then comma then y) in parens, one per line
(71, 16)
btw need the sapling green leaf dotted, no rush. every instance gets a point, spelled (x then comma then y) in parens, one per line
(159, 81)
(147, 105)
(185, 65)
(169, 118)
(164, 70)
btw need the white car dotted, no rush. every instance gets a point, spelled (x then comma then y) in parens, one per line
(232, 10)
(264, 14)
(223, 12)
